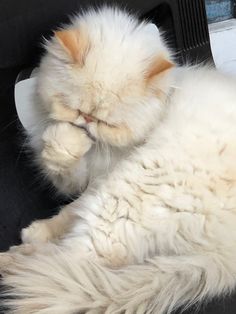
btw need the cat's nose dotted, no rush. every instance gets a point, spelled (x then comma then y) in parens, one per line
(88, 119)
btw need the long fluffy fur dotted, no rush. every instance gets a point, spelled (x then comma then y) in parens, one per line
(159, 232)
(63, 285)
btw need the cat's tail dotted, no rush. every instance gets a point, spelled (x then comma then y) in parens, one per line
(61, 284)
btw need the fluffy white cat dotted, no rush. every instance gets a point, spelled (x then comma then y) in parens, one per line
(154, 148)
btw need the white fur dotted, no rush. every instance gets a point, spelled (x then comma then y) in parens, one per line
(113, 69)
(159, 232)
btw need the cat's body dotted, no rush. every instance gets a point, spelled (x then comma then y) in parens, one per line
(159, 230)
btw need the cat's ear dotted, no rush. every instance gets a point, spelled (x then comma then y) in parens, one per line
(158, 67)
(157, 76)
(74, 43)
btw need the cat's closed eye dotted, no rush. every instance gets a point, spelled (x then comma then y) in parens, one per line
(60, 111)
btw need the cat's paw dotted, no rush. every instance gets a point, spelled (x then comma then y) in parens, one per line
(37, 232)
(64, 144)
(93, 129)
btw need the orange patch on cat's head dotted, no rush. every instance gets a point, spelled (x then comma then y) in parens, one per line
(157, 75)
(75, 43)
(159, 66)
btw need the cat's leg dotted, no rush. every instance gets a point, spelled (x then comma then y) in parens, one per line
(50, 229)
(64, 146)
(62, 156)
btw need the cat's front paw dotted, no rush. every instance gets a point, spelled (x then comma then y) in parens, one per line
(37, 232)
(93, 129)
(64, 144)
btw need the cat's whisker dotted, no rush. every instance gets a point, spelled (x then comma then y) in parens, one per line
(22, 148)
(8, 125)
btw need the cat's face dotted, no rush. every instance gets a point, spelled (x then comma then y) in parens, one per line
(113, 85)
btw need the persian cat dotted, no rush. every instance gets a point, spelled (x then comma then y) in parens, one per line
(151, 147)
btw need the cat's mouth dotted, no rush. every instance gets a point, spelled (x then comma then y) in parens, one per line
(89, 118)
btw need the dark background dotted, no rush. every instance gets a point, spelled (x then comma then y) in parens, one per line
(24, 193)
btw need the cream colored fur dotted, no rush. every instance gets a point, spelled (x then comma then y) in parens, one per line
(117, 90)
(156, 230)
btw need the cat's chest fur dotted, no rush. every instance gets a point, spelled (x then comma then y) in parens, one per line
(101, 160)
